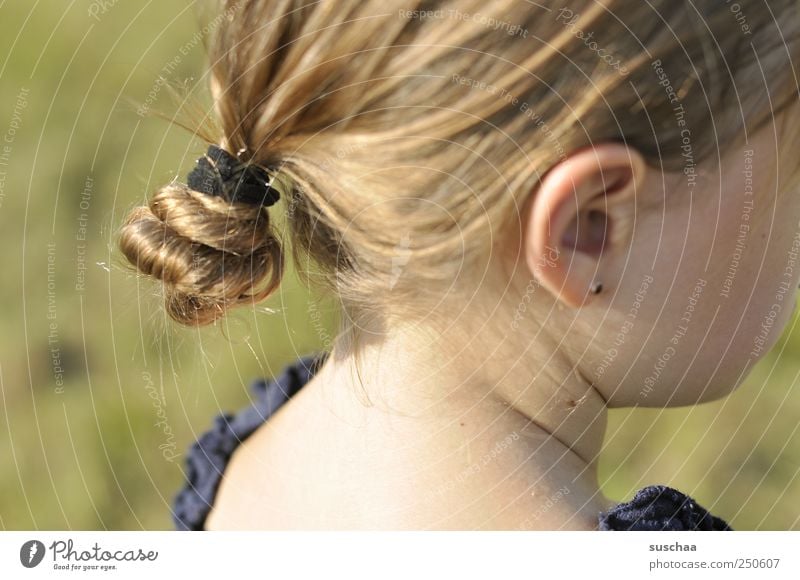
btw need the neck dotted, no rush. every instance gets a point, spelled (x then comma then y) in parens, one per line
(519, 434)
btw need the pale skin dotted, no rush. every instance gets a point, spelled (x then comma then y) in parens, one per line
(493, 418)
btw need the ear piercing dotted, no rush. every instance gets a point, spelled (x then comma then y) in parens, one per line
(596, 288)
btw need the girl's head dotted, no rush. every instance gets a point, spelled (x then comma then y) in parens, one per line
(476, 167)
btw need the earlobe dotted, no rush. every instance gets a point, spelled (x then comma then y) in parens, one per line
(572, 213)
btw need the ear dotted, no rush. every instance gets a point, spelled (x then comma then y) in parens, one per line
(569, 219)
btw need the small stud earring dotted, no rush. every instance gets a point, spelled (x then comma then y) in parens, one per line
(596, 288)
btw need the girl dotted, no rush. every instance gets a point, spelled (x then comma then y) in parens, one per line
(529, 213)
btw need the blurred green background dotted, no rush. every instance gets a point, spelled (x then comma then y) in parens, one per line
(101, 395)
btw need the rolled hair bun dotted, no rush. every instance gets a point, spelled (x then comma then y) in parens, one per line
(210, 254)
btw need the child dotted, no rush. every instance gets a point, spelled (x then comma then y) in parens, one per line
(528, 213)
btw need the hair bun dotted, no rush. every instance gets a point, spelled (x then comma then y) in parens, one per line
(210, 254)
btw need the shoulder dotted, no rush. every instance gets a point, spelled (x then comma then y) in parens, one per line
(209, 457)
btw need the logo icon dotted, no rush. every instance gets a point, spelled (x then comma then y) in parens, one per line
(402, 254)
(31, 553)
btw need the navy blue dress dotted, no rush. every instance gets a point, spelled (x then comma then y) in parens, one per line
(655, 507)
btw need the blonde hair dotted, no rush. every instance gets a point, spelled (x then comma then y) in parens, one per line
(406, 134)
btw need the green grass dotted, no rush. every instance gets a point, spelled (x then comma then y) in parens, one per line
(87, 456)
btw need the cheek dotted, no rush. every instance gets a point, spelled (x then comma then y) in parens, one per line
(767, 289)
(722, 287)
(753, 277)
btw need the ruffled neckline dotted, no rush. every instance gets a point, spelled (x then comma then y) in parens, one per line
(208, 457)
(660, 508)
(655, 507)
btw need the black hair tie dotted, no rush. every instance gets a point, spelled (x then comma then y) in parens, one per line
(221, 174)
